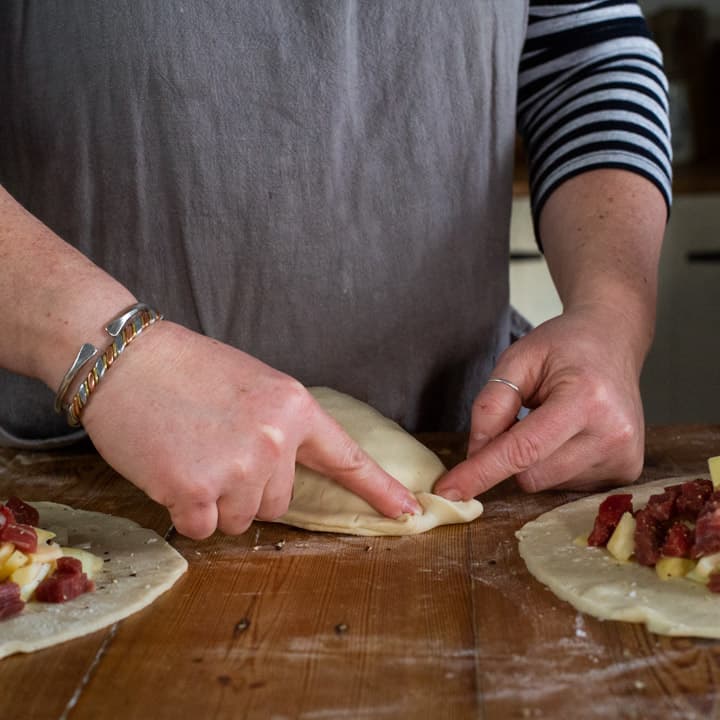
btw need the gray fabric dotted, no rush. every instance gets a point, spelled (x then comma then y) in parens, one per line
(326, 185)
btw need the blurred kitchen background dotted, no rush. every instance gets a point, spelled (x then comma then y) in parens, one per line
(681, 379)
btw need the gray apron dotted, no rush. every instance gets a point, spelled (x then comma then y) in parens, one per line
(325, 185)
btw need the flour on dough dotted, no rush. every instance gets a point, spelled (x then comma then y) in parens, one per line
(594, 582)
(321, 504)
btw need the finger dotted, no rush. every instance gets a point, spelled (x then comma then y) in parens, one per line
(581, 464)
(261, 482)
(527, 443)
(278, 491)
(237, 511)
(196, 519)
(329, 450)
(579, 460)
(495, 409)
(589, 483)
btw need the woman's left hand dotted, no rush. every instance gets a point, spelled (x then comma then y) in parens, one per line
(585, 429)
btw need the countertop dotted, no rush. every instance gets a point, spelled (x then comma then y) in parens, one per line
(284, 623)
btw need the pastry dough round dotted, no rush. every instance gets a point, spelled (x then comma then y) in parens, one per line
(594, 582)
(139, 567)
(321, 504)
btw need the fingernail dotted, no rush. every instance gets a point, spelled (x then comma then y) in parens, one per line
(412, 507)
(478, 441)
(451, 494)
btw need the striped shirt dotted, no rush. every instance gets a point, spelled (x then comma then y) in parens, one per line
(592, 94)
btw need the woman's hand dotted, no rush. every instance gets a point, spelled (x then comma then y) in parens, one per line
(579, 373)
(213, 434)
(586, 427)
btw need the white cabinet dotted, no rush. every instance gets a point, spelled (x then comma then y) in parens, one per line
(531, 290)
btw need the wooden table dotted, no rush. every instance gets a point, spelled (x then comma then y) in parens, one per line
(282, 623)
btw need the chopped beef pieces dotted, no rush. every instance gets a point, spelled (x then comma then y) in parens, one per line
(24, 513)
(17, 521)
(10, 602)
(23, 537)
(678, 541)
(66, 583)
(662, 506)
(707, 528)
(69, 565)
(649, 536)
(6, 516)
(664, 527)
(693, 496)
(714, 582)
(59, 588)
(609, 513)
(14, 527)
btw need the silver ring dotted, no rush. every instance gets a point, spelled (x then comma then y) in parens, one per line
(511, 385)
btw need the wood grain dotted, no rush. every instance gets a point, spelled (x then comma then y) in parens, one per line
(291, 624)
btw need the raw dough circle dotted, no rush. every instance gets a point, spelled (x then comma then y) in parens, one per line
(139, 567)
(594, 582)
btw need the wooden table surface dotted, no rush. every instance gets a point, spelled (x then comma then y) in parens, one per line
(282, 623)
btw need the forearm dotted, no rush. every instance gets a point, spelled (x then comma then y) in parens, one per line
(602, 232)
(53, 297)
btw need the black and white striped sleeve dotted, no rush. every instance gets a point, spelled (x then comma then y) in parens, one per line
(592, 94)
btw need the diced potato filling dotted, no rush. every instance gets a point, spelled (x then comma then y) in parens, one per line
(46, 553)
(673, 567)
(714, 467)
(28, 577)
(621, 544)
(704, 568)
(28, 570)
(6, 550)
(15, 560)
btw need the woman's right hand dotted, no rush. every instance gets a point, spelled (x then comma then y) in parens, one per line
(213, 434)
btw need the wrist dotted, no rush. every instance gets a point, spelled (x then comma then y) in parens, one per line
(122, 330)
(53, 298)
(149, 362)
(624, 323)
(80, 319)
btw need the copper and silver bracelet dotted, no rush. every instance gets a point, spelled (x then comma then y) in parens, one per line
(124, 329)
